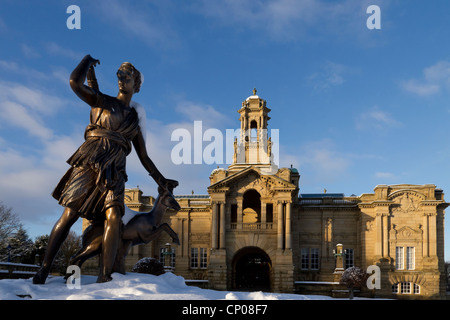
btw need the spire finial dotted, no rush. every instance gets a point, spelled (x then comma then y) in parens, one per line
(254, 91)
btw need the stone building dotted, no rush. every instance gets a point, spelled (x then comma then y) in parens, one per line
(254, 230)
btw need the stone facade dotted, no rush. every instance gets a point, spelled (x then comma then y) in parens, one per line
(255, 231)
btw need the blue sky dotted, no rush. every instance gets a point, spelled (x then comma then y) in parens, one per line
(355, 107)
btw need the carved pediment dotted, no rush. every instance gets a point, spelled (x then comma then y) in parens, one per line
(407, 233)
(405, 201)
(252, 178)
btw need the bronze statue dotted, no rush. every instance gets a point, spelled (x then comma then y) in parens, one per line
(142, 228)
(94, 185)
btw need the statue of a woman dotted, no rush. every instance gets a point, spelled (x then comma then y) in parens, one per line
(94, 186)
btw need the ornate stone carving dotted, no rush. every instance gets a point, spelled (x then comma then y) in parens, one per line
(406, 201)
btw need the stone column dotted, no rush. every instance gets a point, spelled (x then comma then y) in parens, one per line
(239, 213)
(263, 215)
(425, 235)
(214, 226)
(280, 226)
(379, 238)
(288, 226)
(222, 226)
(432, 234)
(385, 235)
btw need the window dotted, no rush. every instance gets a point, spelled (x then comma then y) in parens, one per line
(203, 258)
(269, 212)
(233, 213)
(194, 258)
(405, 288)
(410, 258)
(395, 288)
(314, 259)
(349, 258)
(399, 258)
(199, 261)
(305, 258)
(310, 259)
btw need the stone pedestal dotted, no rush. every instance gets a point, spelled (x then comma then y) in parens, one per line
(217, 269)
(283, 272)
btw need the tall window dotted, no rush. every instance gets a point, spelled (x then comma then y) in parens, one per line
(399, 257)
(269, 212)
(410, 258)
(233, 213)
(305, 258)
(194, 258)
(314, 258)
(310, 259)
(199, 258)
(349, 258)
(203, 258)
(400, 260)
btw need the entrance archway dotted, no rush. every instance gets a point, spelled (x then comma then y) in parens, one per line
(252, 269)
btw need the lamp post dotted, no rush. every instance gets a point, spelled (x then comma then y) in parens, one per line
(168, 258)
(339, 255)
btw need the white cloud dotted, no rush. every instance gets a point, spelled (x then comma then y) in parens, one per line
(27, 108)
(149, 22)
(55, 49)
(330, 75)
(385, 175)
(29, 52)
(435, 78)
(290, 20)
(323, 160)
(376, 119)
(159, 146)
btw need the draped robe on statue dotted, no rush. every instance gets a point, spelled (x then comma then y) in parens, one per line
(96, 179)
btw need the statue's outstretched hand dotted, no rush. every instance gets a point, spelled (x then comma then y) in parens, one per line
(93, 61)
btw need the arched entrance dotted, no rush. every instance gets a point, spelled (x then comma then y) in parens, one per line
(252, 269)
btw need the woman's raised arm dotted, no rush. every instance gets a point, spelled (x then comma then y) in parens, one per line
(78, 77)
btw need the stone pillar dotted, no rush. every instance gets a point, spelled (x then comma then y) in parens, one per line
(263, 215)
(425, 235)
(288, 244)
(280, 226)
(222, 226)
(379, 238)
(214, 226)
(239, 213)
(432, 234)
(385, 235)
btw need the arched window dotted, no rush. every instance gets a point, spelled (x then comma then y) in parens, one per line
(251, 206)
(253, 131)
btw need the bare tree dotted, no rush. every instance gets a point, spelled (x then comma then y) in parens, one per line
(353, 278)
(68, 248)
(9, 226)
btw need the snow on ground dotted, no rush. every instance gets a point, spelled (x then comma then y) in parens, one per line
(132, 286)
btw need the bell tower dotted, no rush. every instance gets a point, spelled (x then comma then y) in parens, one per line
(254, 146)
